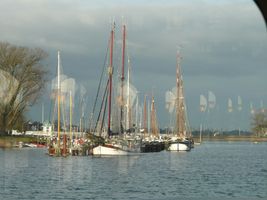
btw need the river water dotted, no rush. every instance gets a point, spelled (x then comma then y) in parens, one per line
(212, 170)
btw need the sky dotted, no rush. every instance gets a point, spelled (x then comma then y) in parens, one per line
(223, 46)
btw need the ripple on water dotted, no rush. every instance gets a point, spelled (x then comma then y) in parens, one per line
(212, 170)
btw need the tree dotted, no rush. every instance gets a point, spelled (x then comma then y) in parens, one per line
(259, 123)
(22, 80)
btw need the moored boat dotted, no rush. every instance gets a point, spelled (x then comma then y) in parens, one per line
(119, 140)
(179, 145)
(115, 150)
(180, 141)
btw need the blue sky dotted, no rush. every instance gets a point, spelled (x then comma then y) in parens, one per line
(223, 45)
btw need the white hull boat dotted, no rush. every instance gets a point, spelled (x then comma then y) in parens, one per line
(176, 97)
(112, 150)
(179, 146)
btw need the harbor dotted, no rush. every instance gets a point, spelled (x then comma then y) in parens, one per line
(212, 169)
(13, 141)
(133, 100)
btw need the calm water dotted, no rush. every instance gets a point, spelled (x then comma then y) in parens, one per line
(217, 170)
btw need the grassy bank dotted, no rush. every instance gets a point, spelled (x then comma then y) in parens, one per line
(10, 141)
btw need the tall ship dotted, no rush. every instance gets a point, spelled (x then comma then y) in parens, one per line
(180, 138)
(119, 135)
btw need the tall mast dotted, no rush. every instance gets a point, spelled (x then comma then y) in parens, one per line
(70, 119)
(123, 48)
(110, 72)
(145, 123)
(58, 98)
(128, 97)
(178, 99)
(180, 104)
(136, 113)
(153, 118)
(122, 72)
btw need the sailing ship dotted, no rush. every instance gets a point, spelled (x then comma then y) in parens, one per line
(116, 142)
(56, 148)
(152, 141)
(180, 141)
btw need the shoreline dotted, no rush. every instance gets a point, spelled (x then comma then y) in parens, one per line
(11, 141)
(232, 138)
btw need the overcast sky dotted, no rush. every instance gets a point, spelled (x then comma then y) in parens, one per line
(223, 44)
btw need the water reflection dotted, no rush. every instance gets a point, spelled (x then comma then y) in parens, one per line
(211, 170)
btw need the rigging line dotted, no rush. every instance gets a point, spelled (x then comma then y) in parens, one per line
(54, 113)
(102, 102)
(104, 114)
(63, 110)
(100, 82)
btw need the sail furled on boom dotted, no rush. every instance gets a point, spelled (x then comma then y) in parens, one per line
(252, 110)
(67, 85)
(129, 92)
(170, 99)
(239, 103)
(211, 100)
(230, 105)
(203, 103)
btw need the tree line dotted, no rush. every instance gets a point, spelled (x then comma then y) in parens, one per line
(259, 123)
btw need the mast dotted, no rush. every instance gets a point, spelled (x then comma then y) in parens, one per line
(177, 97)
(145, 123)
(70, 119)
(179, 104)
(148, 119)
(153, 118)
(140, 118)
(122, 73)
(110, 72)
(128, 98)
(58, 98)
(136, 113)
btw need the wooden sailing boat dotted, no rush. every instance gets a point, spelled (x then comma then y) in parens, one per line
(55, 149)
(120, 144)
(153, 118)
(180, 141)
(152, 141)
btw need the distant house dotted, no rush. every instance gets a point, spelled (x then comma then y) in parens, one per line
(47, 128)
(15, 132)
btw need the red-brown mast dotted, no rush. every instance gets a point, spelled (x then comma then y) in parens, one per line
(122, 71)
(110, 71)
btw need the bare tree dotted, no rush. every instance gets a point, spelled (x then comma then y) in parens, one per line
(22, 79)
(259, 123)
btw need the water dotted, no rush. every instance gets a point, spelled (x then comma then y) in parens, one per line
(213, 170)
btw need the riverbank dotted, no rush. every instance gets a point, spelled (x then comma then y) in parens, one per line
(11, 141)
(232, 138)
